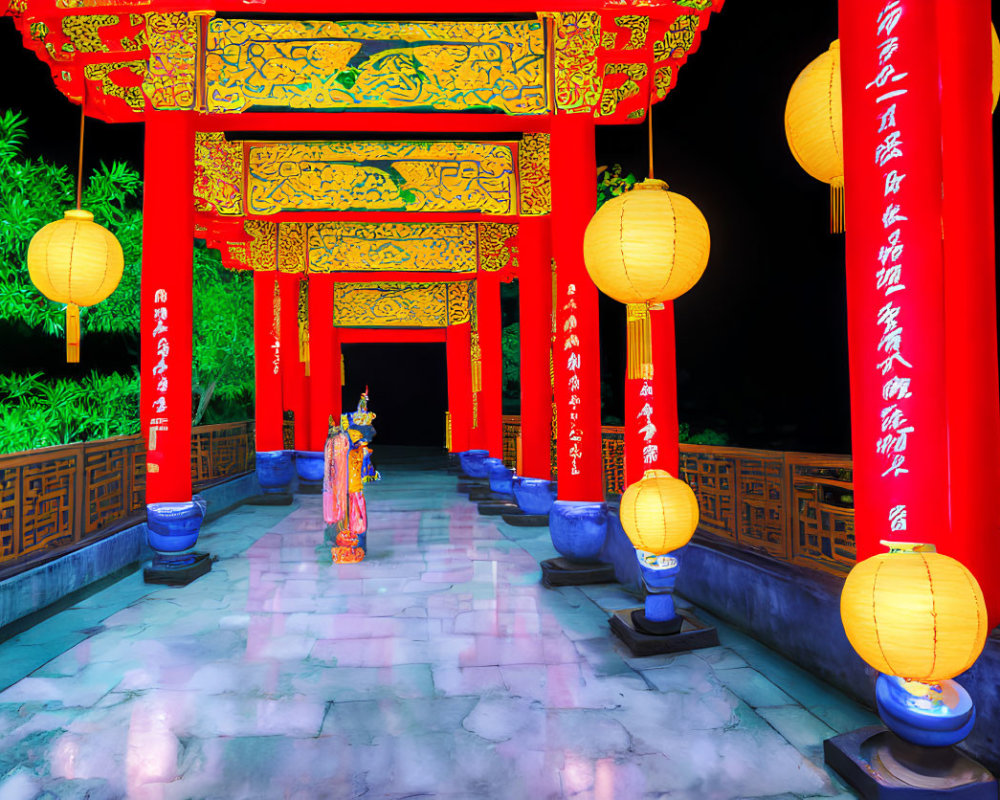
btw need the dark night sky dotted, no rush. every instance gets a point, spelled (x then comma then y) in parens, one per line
(762, 351)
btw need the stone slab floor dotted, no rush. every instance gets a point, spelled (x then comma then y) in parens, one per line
(439, 667)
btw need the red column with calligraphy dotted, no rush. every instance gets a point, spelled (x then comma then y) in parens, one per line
(324, 362)
(895, 278)
(491, 397)
(294, 388)
(267, 361)
(971, 385)
(577, 347)
(166, 307)
(535, 299)
(651, 425)
(457, 347)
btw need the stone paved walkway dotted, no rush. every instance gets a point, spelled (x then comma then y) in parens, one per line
(439, 667)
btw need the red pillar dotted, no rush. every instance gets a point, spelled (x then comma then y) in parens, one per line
(324, 382)
(577, 355)
(267, 363)
(294, 387)
(535, 299)
(166, 305)
(971, 384)
(895, 278)
(491, 397)
(651, 424)
(457, 347)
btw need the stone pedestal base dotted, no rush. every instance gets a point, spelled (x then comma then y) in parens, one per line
(178, 571)
(692, 635)
(309, 487)
(496, 508)
(563, 572)
(521, 520)
(878, 764)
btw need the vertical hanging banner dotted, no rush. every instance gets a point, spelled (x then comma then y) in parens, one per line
(159, 379)
(895, 276)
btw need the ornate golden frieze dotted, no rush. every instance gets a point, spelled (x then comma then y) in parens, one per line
(262, 246)
(445, 66)
(577, 38)
(171, 75)
(398, 247)
(495, 249)
(292, 247)
(110, 85)
(381, 176)
(638, 28)
(408, 305)
(218, 174)
(612, 97)
(533, 173)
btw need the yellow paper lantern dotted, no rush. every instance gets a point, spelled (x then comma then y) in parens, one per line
(659, 512)
(649, 245)
(814, 127)
(78, 262)
(914, 613)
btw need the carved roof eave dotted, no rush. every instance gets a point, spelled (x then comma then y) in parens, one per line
(116, 82)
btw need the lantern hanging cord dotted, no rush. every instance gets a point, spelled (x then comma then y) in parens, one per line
(649, 126)
(79, 169)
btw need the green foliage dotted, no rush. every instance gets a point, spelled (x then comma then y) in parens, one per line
(707, 436)
(510, 342)
(611, 183)
(35, 412)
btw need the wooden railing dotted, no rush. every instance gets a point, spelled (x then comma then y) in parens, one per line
(796, 507)
(57, 497)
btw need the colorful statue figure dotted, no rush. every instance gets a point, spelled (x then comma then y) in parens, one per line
(350, 467)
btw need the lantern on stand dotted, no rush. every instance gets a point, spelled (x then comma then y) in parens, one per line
(644, 248)
(918, 617)
(75, 261)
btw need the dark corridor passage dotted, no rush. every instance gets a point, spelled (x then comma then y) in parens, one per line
(407, 389)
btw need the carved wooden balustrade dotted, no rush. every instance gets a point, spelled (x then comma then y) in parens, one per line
(797, 507)
(58, 497)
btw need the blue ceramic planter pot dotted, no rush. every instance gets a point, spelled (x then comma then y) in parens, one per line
(309, 465)
(533, 495)
(940, 717)
(174, 527)
(501, 479)
(659, 574)
(578, 529)
(274, 470)
(472, 462)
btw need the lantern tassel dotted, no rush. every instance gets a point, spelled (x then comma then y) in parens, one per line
(72, 333)
(640, 342)
(837, 206)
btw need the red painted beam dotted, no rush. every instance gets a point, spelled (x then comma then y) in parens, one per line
(374, 122)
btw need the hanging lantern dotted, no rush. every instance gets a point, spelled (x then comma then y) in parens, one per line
(996, 65)
(659, 512)
(814, 127)
(914, 613)
(648, 245)
(78, 262)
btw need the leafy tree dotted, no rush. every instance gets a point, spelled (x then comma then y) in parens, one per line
(611, 183)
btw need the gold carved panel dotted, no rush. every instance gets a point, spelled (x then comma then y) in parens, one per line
(445, 66)
(262, 247)
(577, 39)
(218, 174)
(292, 247)
(496, 250)
(405, 305)
(403, 247)
(381, 176)
(533, 172)
(173, 60)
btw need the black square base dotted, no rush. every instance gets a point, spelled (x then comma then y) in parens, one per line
(563, 572)
(310, 487)
(693, 635)
(522, 520)
(179, 576)
(276, 499)
(878, 764)
(496, 508)
(473, 485)
(485, 495)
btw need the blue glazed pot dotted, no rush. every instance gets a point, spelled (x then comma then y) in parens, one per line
(501, 479)
(578, 529)
(533, 495)
(174, 527)
(274, 470)
(309, 465)
(472, 462)
(659, 574)
(940, 717)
